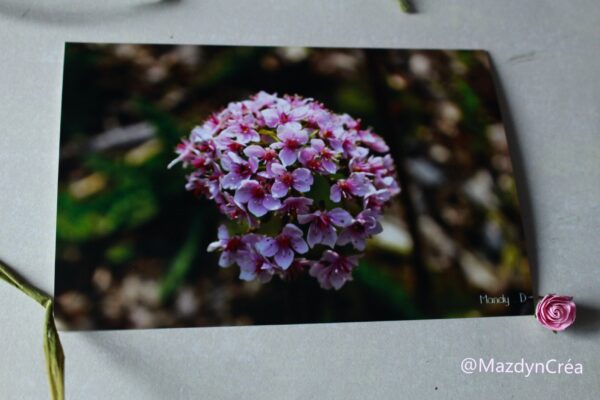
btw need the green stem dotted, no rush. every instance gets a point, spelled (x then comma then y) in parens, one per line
(405, 6)
(269, 133)
(55, 358)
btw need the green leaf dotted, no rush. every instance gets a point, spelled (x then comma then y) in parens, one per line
(182, 262)
(319, 192)
(383, 285)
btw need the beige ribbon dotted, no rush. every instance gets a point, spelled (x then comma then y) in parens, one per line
(55, 358)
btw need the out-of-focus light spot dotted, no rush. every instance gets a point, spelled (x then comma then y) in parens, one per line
(142, 153)
(420, 65)
(293, 54)
(87, 186)
(439, 153)
(396, 82)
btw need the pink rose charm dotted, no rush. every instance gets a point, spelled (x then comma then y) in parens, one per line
(556, 312)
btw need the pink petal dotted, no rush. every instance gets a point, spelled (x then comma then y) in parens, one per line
(299, 245)
(270, 203)
(305, 218)
(256, 207)
(223, 233)
(314, 235)
(335, 194)
(284, 258)
(329, 166)
(226, 259)
(254, 151)
(267, 247)
(306, 155)
(279, 189)
(337, 280)
(243, 194)
(345, 237)
(340, 217)
(214, 246)
(287, 156)
(277, 169)
(271, 117)
(231, 181)
(292, 231)
(329, 236)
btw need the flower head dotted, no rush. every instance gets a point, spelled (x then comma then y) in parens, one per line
(276, 166)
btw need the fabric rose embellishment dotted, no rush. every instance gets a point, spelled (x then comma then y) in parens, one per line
(302, 188)
(556, 312)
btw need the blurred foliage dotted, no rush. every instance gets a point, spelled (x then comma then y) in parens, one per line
(131, 242)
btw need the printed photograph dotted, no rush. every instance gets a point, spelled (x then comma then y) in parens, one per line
(232, 185)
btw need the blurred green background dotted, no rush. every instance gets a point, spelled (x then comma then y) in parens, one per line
(131, 241)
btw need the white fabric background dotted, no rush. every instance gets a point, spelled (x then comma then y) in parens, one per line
(547, 55)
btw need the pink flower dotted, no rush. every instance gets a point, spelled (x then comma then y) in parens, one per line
(365, 225)
(230, 247)
(239, 170)
(373, 141)
(185, 151)
(244, 130)
(233, 210)
(556, 312)
(300, 179)
(254, 265)
(356, 185)
(376, 199)
(283, 246)
(292, 137)
(323, 223)
(226, 143)
(297, 269)
(296, 205)
(334, 270)
(260, 100)
(283, 113)
(319, 157)
(257, 198)
(202, 133)
(267, 156)
(204, 183)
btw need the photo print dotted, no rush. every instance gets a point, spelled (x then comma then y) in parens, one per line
(235, 185)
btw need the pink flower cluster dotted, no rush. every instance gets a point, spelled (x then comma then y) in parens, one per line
(305, 186)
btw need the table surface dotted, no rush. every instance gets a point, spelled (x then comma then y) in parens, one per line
(547, 57)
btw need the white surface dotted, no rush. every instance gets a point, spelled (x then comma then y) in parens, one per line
(547, 55)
